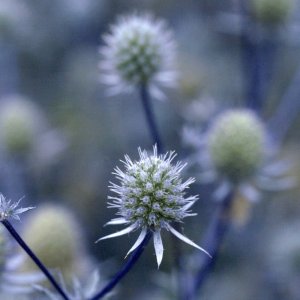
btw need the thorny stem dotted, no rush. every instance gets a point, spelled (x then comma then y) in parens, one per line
(213, 241)
(150, 117)
(36, 260)
(126, 268)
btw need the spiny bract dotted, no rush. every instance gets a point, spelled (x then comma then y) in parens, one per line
(150, 196)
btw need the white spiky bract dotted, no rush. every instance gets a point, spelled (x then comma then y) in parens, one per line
(79, 291)
(9, 209)
(151, 196)
(139, 50)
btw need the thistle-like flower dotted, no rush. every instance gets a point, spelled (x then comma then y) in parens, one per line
(235, 150)
(10, 209)
(139, 51)
(11, 280)
(79, 291)
(151, 196)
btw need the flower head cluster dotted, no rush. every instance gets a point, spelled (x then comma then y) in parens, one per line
(235, 151)
(139, 50)
(151, 196)
(10, 209)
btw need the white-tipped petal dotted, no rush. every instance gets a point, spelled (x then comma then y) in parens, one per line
(119, 233)
(138, 241)
(186, 240)
(117, 221)
(158, 247)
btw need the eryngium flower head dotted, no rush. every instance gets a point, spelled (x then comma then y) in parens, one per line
(78, 290)
(236, 144)
(62, 247)
(151, 195)
(20, 124)
(139, 50)
(9, 209)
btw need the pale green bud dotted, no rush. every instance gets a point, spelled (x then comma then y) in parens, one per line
(236, 143)
(20, 121)
(271, 11)
(54, 235)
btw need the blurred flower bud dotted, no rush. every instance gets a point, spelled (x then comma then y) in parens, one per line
(236, 144)
(271, 12)
(54, 235)
(20, 121)
(139, 50)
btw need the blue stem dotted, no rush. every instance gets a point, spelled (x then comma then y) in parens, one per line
(36, 260)
(287, 111)
(213, 240)
(126, 268)
(150, 117)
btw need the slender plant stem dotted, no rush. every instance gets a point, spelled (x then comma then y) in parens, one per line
(126, 268)
(145, 97)
(213, 241)
(36, 260)
(287, 111)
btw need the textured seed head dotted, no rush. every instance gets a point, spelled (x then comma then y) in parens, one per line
(236, 143)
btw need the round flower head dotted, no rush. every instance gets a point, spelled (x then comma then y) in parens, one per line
(20, 122)
(139, 51)
(235, 150)
(236, 144)
(271, 11)
(55, 236)
(150, 196)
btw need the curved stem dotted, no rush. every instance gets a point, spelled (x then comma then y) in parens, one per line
(213, 241)
(150, 117)
(126, 268)
(36, 260)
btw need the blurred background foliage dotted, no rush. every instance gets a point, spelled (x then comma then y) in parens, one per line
(61, 136)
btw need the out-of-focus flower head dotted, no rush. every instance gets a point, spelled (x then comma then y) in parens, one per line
(139, 50)
(78, 291)
(11, 280)
(54, 234)
(151, 196)
(20, 123)
(236, 152)
(271, 12)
